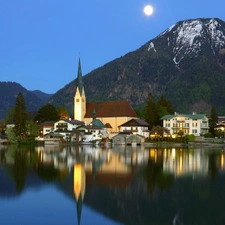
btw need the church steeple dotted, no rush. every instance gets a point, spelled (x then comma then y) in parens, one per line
(80, 84)
(79, 98)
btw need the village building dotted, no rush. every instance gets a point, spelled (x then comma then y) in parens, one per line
(136, 126)
(196, 124)
(111, 113)
(46, 127)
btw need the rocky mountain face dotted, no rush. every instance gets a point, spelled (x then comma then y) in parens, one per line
(9, 91)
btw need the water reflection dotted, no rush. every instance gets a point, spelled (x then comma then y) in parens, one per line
(131, 185)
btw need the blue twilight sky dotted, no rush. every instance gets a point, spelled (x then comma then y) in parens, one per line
(40, 40)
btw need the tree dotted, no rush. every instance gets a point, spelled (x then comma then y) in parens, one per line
(32, 128)
(47, 112)
(20, 115)
(154, 110)
(9, 115)
(166, 104)
(13, 139)
(213, 121)
(62, 112)
(150, 111)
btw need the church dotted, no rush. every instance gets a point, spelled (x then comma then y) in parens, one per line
(111, 113)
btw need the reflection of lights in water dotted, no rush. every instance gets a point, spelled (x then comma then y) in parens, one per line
(173, 153)
(155, 155)
(180, 164)
(152, 153)
(222, 161)
(165, 154)
(108, 156)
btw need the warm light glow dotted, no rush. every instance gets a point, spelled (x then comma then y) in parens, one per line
(148, 10)
(79, 181)
(222, 161)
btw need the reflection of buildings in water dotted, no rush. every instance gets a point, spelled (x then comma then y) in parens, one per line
(109, 172)
(131, 155)
(222, 164)
(79, 185)
(182, 162)
(120, 159)
(185, 162)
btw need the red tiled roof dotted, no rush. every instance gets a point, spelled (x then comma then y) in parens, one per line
(110, 109)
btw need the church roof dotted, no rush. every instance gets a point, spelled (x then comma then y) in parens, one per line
(110, 109)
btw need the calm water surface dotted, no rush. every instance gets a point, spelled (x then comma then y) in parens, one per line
(88, 185)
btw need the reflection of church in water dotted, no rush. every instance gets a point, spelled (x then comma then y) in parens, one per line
(79, 185)
(111, 172)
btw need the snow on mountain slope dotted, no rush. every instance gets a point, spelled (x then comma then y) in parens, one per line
(187, 37)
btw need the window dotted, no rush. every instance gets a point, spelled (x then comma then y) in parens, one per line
(195, 124)
(194, 131)
(77, 100)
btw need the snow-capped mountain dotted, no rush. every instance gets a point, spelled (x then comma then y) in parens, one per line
(185, 63)
(187, 38)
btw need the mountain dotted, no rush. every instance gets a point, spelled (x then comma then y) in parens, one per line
(185, 63)
(9, 91)
(43, 96)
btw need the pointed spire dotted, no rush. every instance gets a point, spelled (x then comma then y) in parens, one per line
(80, 84)
(79, 208)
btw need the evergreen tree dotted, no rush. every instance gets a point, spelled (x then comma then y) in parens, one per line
(46, 113)
(154, 110)
(20, 116)
(213, 121)
(150, 111)
(164, 107)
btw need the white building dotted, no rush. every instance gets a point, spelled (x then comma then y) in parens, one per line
(136, 126)
(66, 125)
(196, 124)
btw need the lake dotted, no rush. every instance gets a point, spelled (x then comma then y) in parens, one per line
(111, 186)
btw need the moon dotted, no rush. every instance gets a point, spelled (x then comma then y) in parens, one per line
(148, 10)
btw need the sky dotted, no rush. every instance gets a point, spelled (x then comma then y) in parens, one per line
(42, 40)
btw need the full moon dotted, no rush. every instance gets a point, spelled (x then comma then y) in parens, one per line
(148, 10)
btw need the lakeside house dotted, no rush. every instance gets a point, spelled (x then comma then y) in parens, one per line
(196, 124)
(136, 126)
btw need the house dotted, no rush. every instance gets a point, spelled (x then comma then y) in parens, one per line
(112, 113)
(196, 124)
(136, 126)
(87, 134)
(66, 126)
(221, 123)
(46, 127)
